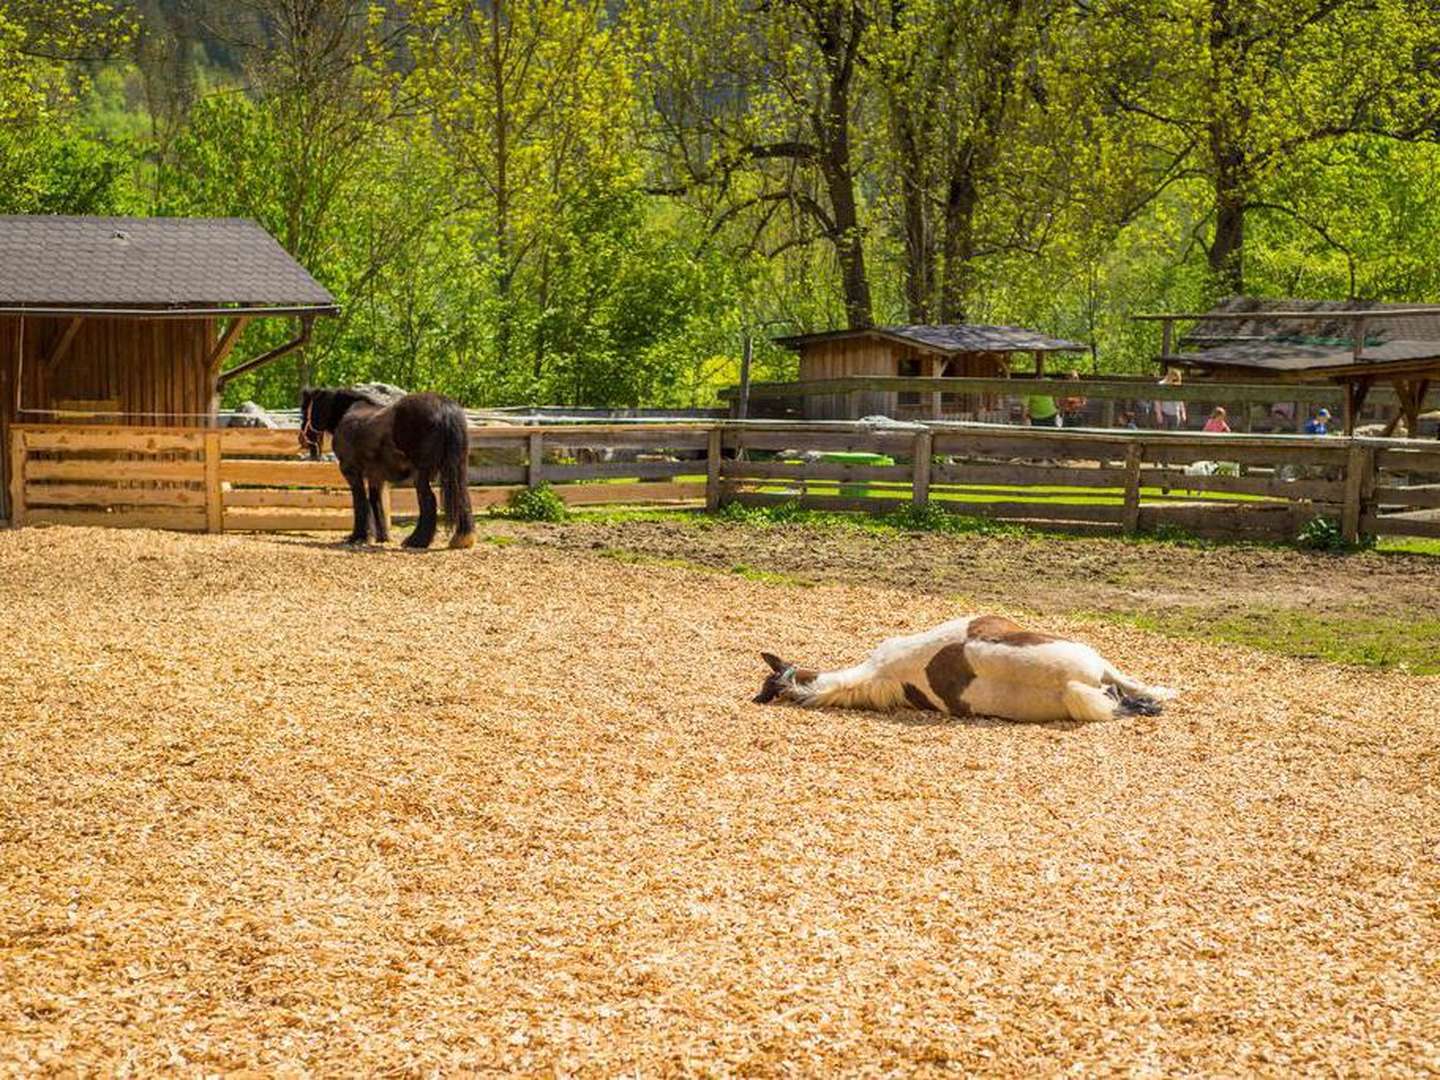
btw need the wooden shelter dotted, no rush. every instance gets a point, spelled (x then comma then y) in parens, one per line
(1351, 343)
(947, 351)
(125, 321)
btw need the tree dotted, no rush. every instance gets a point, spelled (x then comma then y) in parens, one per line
(531, 103)
(755, 110)
(1231, 93)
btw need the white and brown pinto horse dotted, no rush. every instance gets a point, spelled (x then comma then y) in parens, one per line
(982, 665)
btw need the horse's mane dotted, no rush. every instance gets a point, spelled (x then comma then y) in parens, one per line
(328, 406)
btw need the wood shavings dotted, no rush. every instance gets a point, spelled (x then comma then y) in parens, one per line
(269, 805)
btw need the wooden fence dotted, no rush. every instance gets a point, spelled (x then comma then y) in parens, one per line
(1260, 486)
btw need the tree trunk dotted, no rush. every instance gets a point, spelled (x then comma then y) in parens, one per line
(1227, 249)
(919, 250)
(840, 186)
(505, 277)
(956, 285)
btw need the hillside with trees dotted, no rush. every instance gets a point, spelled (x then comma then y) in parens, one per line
(595, 201)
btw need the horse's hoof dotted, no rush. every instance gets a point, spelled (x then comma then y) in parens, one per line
(354, 542)
(461, 541)
(415, 545)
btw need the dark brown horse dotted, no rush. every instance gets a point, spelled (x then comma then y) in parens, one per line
(417, 437)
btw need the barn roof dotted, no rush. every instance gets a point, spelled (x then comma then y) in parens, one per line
(176, 263)
(1322, 344)
(949, 338)
(1328, 327)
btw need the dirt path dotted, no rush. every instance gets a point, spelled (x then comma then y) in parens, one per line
(265, 804)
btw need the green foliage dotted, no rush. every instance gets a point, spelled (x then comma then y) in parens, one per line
(539, 503)
(931, 518)
(593, 203)
(1323, 534)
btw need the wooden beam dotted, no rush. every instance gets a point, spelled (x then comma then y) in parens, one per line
(1356, 390)
(226, 342)
(63, 345)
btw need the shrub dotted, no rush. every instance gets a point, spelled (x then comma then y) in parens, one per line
(1323, 534)
(775, 514)
(931, 518)
(533, 504)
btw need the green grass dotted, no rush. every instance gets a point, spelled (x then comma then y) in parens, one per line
(1387, 643)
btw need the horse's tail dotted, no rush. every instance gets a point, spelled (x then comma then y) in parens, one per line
(455, 477)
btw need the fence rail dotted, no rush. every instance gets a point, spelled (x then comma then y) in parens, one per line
(1260, 486)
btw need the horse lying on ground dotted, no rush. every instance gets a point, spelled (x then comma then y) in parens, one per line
(417, 437)
(982, 665)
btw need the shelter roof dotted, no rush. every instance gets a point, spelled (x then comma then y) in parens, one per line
(948, 338)
(77, 263)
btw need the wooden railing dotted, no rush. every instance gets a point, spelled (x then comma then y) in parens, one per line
(1261, 486)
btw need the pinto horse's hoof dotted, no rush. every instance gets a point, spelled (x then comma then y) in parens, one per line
(461, 541)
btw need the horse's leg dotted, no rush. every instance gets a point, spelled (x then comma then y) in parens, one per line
(424, 532)
(360, 533)
(377, 512)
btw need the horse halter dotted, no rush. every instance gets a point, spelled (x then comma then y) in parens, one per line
(310, 436)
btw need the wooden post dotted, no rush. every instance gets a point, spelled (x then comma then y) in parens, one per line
(535, 464)
(214, 505)
(1359, 473)
(1107, 413)
(17, 478)
(920, 483)
(712, 470)
(1130, 515)
(742, 406)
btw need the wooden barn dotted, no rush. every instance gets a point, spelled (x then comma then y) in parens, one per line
(1353, 344)
(131, 321)
(945, 351)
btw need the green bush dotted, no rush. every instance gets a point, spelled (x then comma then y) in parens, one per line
(931, 518)
(775, 514)
(539, 503)
(1323, 534)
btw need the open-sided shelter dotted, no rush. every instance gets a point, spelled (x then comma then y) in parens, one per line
(1349, 342)
(942, 351)
(132, 320)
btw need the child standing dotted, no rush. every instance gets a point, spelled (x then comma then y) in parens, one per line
(1217, 421)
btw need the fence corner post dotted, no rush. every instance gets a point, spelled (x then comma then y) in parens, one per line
(214, 504)
(1359, 483)
(712, 469)
(920, 482)
(1130, 517)
(535, 461)
(17, 478)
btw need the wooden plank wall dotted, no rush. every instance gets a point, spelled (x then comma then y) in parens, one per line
(251, 479)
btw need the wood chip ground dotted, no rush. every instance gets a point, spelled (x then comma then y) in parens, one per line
(268, 805)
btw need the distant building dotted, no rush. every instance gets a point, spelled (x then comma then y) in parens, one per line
(952, 351)
(1352, 343)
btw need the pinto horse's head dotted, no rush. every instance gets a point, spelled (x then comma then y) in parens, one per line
(778, 683)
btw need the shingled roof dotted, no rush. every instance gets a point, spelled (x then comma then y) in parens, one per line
(1300, 346)
(949, 338)
(1325, 329)
(176, 263)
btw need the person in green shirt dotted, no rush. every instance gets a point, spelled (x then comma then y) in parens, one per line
(1041, 410)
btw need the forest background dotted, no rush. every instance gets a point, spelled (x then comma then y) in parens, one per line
(596, 201)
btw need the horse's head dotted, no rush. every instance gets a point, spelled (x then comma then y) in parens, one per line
(313, 405)
(779, 683)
